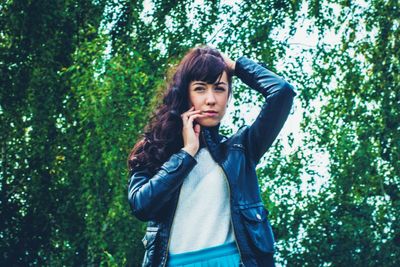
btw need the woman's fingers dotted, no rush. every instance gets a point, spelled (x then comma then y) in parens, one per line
(189, 121)
(190, 132)
(231, 64)
(186, 116)
(192, 117)
(197, 130)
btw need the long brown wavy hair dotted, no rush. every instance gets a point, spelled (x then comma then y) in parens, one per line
(162, 136)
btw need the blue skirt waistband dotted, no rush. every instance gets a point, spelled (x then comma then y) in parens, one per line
(221, 251)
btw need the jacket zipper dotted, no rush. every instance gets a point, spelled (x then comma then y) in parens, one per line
(230, 201)
(169, 235)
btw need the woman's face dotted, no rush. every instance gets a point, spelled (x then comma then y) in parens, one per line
(209, 97)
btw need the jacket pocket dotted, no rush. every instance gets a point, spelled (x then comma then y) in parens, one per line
(149, 242)
(258, 228)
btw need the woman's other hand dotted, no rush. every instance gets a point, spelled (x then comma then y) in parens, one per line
(231, 63)
(191, 134)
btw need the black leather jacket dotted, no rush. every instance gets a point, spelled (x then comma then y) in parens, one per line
(154, 198)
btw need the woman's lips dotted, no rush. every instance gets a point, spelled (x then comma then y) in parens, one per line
(212, 114)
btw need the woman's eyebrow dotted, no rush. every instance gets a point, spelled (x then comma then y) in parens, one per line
(205, 83)
(220, 83)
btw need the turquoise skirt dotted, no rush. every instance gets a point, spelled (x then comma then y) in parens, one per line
(225, 255)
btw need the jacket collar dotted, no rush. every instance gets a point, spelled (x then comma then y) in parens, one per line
(211, 135)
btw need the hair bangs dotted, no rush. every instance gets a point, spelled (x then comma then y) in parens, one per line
(207, 68)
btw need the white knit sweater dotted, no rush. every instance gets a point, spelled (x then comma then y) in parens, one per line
(202, 218)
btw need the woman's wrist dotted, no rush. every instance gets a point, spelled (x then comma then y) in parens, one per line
(191, 151)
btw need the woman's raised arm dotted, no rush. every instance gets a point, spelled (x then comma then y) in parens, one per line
(278, 93)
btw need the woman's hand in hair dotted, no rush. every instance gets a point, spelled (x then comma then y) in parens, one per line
(191, 134)
(231, 63)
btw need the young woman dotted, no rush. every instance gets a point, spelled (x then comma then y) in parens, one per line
(197, 188)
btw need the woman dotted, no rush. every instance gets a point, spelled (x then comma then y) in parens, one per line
(196, 188)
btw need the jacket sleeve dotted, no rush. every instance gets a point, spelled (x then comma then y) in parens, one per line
(278, 94)
(147, 195)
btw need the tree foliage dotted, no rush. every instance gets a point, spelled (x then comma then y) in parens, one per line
(79, 80)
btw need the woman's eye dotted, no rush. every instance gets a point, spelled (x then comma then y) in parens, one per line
(202, 89)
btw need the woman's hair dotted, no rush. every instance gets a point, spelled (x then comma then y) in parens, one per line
(163, 134)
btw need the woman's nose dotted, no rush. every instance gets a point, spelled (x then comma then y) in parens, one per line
(210, 98)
